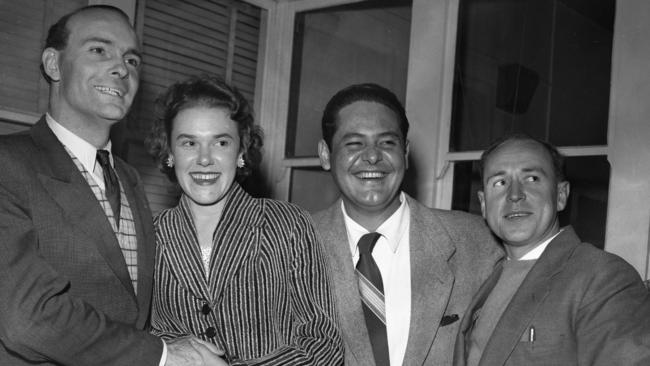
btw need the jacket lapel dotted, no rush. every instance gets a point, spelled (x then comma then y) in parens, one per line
(467, 323)
(236, 240)
(431, 281)
(65, 184)
(346, 290)
(145, 237)
(181, 251)
(525, 303)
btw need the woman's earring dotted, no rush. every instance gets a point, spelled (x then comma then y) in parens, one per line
(240, 162)
(170, 161)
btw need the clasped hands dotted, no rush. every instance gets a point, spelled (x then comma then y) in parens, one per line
(192, 351)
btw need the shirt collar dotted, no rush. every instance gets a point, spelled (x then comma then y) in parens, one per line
(391, 229)
(536, 252)
(80, 148)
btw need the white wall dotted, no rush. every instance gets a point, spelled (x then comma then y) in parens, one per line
(628, 220)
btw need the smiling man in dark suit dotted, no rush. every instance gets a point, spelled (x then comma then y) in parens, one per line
(555, 300)
(402, 273)
(76, 233)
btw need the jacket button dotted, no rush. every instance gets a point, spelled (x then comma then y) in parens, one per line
(210, 332)
(205, 309)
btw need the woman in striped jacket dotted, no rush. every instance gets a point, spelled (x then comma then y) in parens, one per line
(246, 274)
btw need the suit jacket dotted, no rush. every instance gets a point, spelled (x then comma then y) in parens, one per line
(67, 298)
(586, 306)
(452, 253)
(267, 299)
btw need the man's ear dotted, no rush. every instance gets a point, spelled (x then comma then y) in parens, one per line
(481, 199)
(406, 154)
(324, 155)
(50, 60)
(563, 189)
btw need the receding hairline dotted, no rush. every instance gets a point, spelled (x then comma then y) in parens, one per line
(99, 9)
(521, 141)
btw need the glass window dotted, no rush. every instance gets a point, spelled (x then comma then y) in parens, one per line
(339, 46)
(541, 67)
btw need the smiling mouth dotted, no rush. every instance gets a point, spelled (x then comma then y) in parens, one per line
(110, 91)
(517, 215)
(204, 178)
(370, 175)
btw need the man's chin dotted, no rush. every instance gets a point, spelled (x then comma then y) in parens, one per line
(113, 114)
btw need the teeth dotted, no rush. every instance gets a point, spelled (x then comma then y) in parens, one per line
(108, 90)
(370, 175)
(204, 176)
(516, 214)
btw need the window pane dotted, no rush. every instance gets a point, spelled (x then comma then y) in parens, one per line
(587, 206)
(312, 188)
(540, 67)
(339, 46)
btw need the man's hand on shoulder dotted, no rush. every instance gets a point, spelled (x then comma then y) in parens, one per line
(192, 351)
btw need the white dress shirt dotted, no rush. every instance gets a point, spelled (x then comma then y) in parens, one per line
(536, 252)
(392, 255)
(85, 152)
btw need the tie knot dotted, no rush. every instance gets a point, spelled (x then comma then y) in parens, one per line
(103, 158)
(367, 242)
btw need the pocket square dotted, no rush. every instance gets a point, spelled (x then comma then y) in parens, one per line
(448, 319)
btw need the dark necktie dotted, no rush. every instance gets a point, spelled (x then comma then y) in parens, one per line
(111, 183)
(371, 289)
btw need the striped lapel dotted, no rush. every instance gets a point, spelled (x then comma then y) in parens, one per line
(181, 250)
(236, 240)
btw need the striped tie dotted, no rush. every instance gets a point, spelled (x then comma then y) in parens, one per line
(371, 289)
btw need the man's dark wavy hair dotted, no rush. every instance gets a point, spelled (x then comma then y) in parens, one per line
(361, 92)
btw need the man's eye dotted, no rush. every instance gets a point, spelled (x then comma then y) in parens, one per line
(389, 143)
(133, 61)
(499, 183)
(223, 143)
(532, 178)
(353, 143)
(98, 50)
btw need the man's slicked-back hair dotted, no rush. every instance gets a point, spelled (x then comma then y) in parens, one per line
(557, 158)
(361, 92)
(58, 34)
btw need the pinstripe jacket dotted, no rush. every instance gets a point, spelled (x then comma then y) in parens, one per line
(266, 299)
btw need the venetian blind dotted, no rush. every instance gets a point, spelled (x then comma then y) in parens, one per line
(23, 28)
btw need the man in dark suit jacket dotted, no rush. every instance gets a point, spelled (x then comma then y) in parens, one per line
(556, 300)
(76, 237)
(430, 262)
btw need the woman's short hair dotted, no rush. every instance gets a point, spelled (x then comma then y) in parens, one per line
(212, 92)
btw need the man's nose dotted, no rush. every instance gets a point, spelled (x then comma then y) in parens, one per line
(516, 192)
(372, 155)
(120, 70)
